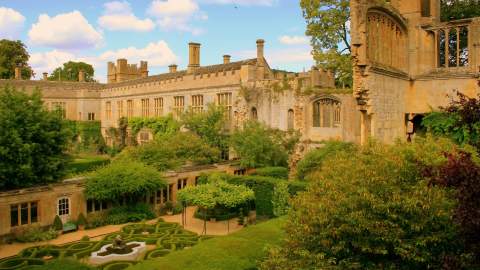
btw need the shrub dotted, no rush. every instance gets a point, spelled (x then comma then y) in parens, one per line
(129, 213)
(177, 208)
(280, 199)
(36, 234)
(85, 238)
(63, 264)
(57, 223)
(81, 220)
(313, 160)
(294, 187)
(276, 172)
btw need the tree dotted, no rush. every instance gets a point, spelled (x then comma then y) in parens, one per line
(328, 27)
(32, 140)
(259, 146)
(70, 70)
(14, 54)
(459, 9)
(123, 180)
(370, 210)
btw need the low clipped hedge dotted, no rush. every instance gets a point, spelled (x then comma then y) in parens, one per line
(275, 172)
(120, 265)
(295, 187)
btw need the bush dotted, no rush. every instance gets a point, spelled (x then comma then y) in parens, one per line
(35, 234)
(313, 160)
(276, 172)
(294, 187)
(129, 213)
(63, 264)
(57, 223)
(218, 213)
(81, 220)
(177, 208)
(280, 199)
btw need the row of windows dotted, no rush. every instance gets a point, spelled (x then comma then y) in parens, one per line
(197, 103)
(23, 213)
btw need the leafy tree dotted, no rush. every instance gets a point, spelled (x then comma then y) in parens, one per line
(69, 72)
(370, 210)
(459, 121)
(123, 179)
(280, 199)
(259, 146)
(14, 54)
(328, 27)
(32, 140)
(209, 125)
(459, 9)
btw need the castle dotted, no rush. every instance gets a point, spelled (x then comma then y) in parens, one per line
(405, 61)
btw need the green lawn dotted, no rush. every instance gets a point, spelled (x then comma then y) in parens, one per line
(85, 163)
(238, 251)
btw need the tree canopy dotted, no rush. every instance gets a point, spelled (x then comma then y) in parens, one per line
(459, 9)
(32, 140)
(328, 27)
(123, 179)
(14, 54)
(69, 72)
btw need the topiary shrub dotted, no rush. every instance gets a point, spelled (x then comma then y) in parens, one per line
(276, 172)
(81, 220)
(57, 223)
(294, 187)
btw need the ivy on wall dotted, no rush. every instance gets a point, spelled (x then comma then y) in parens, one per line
(158, 125)
(86, 136)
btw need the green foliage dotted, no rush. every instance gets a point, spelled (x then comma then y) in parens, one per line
(294, 187)
(173, 151)
(86, 136)
(63, 264)
(14, 54)
(70, 70)
(218, 213)
(368, 210)
(35, 234)
(83, 164)
(208, 125)
(32, 141)
(119, 136)
(313, 160)
(259, 146)
(237, 251)
(129, 213)
(122, 179)
(81, 220)
(160, 126)
(276, 172)
(327, 25)
(57, 223)
(459, 9)
(280, 199)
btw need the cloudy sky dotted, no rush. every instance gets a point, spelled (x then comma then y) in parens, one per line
(155, 30)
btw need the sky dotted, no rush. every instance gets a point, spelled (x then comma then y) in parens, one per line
(158, 31)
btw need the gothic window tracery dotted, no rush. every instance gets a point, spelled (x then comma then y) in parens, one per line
(326, 113)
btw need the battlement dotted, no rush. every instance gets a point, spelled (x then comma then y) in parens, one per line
(123, 71)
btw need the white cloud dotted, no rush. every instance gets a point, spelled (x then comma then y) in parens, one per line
(242, 2)
(177, 14)
(11, 22)
(294, 40)
(297, 55)
(158, 54)
(119, 16)
(64, 31)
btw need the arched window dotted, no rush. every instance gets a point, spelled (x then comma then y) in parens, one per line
(254, 114)
(290, 119)
(326, 113)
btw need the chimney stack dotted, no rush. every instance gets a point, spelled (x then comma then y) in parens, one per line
(172, 68)
(260, 45)
(18, 73)
(144, 69)
(226, 59)
(81, 76)
(193, 56)
(45, 76)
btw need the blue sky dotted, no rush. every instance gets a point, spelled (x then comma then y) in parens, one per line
(155, 30)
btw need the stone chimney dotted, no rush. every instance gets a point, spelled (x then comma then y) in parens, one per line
(18, 73)
(172, 68)
(45, 76)
(260, 46)
(144, 69)
(81, 76)
(226, 59)
(193, 56)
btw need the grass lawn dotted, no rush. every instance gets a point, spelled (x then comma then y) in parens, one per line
(85, 163)
(238, 251)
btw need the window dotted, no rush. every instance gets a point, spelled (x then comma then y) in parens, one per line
(225, 100)
(96, 206)
(181, 183)
(197, 103)
(254, 114)
(452, 46)
(326, 113)
(129, 108)
(170, 192)
(178, 105)
(161, 196)
(145, 107)
(425, 8)
(144, 137)
(108, 110)
(240, 172)
(290, 119)
(158, 106)
(23, 213)
(63, 206)
(120, 109)
(91, 116)
(61, 108)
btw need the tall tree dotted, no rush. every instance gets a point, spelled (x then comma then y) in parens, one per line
(32, 140)
(459, 9)
(328, 26)
(14, 54)
(69, 72)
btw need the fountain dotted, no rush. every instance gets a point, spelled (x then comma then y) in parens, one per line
(118, 251)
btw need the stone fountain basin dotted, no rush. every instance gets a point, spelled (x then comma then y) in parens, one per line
(132, 256)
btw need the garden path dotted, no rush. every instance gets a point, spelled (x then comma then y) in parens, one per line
(193, 224)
